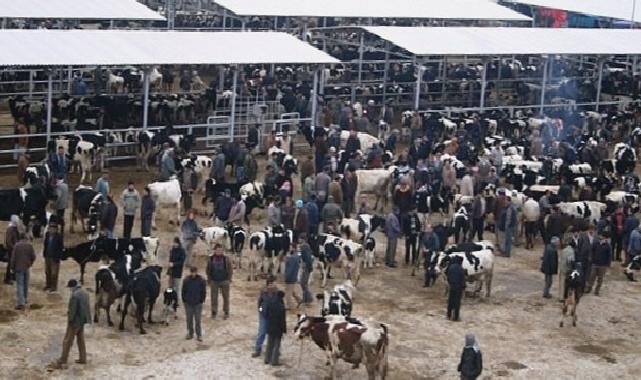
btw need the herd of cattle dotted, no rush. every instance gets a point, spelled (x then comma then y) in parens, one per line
(123, 278)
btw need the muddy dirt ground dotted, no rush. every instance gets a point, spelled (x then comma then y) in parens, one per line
(516, 328)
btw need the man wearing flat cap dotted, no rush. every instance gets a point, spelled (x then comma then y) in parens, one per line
(78, 314)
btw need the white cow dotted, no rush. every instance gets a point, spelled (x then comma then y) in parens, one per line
(167, 195)
(115, 83)
(478, 265)
(365, 139)
(215, 235)
(374, 181)
(151, 249)
(202, 167)
(84, 156)
(586, 210)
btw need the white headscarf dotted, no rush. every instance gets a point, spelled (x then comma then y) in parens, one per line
(470, 341)
(14, 221)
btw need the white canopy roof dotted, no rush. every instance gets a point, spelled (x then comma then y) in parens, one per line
(425, 9)
(507, 41)
(619, 9)
(119, 47)
(77, 9)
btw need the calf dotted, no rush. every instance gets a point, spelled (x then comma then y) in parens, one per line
(338, 301)
(108, 289)
(588, 210)
(349, 339)
(341, 253)
(87, 203)
(237, 236)
(633, 266)
(143, 291)
(215, 235)
(170, 302)
(257, 246)
(202, 167)
(375, 181)
(365, 224)
(573, 293)
(214, 188)
(370, 252)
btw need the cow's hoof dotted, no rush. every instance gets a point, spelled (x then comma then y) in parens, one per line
(143, 332)
(561, 324)
(574, 324)
(111, 324)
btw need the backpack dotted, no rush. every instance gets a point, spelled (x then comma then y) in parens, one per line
(469, 367)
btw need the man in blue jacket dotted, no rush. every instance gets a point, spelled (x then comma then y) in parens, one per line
(601, 259)
(292, 266)
(456, 286)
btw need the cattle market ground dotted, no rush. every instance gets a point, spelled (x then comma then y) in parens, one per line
(517, 329)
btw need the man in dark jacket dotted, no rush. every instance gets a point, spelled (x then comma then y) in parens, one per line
(348, 187)
(78, 314)
(176, 264)
(292, 267)
(11, 237)
(411, 230)
(456, 285)
(194, 291)
(550, 264)
(189, 182)
(301, 221)
(601, 260)
(478, 217)
(392, 232)
(471, 364)
(308, 265)
(22, 259)
(219, 275)
(222, 208)
(276, 323)
(353, 144)
(266, 294)
(431, 244)
(108, 217)
(53, 247)
(553, 225)
(147, 210)
(313, 215)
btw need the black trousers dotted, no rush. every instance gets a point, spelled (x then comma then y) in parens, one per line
(129, 224)
(410, 246)
(617, 246)
(477, 228)
(454, 304)
(60, 214)
(187, 201)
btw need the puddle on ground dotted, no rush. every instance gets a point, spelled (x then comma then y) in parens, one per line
(7, 315)
(36, 306)
(502, 373)
(202, 347)
(514, 365)
(591, 349)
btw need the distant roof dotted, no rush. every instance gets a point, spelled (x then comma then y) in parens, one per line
(119, 47)
(77, 9)
(619, 9)
(422, 9)
(459, 41)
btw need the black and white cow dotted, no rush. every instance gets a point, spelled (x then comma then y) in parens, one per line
(338, 301)
(170, 303)
(253, 194)
(370, 252)
(143, 291)
(145, 148)
(632, 267)
(237, 237)
(29, 204)
(588, 210)
(478, 265)
(364, 223)
(215, 188)
(202, 166)
(87, 203)
(341, 253)
(625, 157)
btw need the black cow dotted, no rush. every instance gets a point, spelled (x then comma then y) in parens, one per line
(170, 302)
(87, 203)
(30, 204)
(108, 289)
(144, 289)
(214, 188)
(37, 174)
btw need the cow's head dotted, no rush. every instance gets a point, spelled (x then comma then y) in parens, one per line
(305, 325)
(440, 262)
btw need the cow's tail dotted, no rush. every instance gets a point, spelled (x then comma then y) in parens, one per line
(382, 352)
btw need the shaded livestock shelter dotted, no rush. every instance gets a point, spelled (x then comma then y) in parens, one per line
(75, 11)
(78, 49)
(484, 60)
(298, 16)
(625, 10)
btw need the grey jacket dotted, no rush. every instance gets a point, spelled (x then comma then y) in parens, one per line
(130, 201)
(168, 167)
(62, 196)
(79, 312)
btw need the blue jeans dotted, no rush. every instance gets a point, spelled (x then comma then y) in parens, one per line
(304, 285)
(507, 244)
(109, 234)
(22, 287)
(262, 332)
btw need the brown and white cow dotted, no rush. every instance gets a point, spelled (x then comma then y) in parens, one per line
(349, 339)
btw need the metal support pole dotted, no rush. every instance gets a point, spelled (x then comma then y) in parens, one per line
(444, 81)
(232, 119)
(321, 81)
(275, 22)
(225, 19)
(49, 102)
(634, 9)
(324, 36)
(170, 12)
(145, 102)
(543, 84)
(69, 79)
(483, 85)
(599, 84)
(361, 52)
(242, 25)
(419, 75)
(315, 95)
(221, 79)
(31, 74)
(304, 31)
(634, 64)
(386, 69)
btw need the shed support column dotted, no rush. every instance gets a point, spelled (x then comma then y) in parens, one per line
(224, 19)
(232, 119)
(544, 83)
(324, 35)
(49, 102)
(275, 22)
(599, 84)
(69, 79)
(303, 34)
(145, 102)
(634, 64)
(31, 74)
(386, 70)
(361, 52)
(314, 95)
(419, 75)
(170, 13)
(444, 81)
(483, 85)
